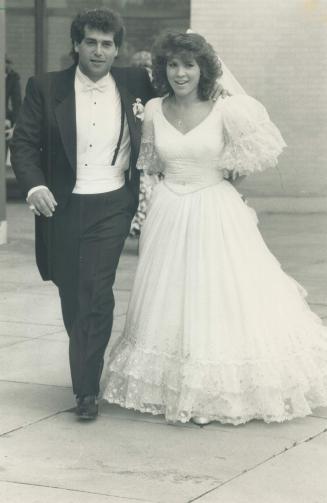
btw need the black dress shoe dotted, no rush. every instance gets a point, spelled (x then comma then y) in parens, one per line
(87, 407)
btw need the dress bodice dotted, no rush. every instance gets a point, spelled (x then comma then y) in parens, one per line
(191, 158)
(236, 137)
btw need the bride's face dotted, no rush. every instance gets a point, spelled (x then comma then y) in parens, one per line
(183, 75)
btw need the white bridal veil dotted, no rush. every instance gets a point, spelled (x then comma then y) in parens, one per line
(229, 82)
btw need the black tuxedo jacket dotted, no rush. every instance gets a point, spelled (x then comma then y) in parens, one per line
(13, 96)
(44, 142)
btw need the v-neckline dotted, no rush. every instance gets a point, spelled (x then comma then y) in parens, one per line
(190, 130)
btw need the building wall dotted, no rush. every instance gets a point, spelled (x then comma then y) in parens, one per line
(141, 32)
(144, 19)
(277, 50)
(20, 41)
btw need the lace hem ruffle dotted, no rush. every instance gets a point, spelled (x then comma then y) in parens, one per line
(234, 392)
(269, 405)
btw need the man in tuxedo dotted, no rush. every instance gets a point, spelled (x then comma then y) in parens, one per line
(74, 152)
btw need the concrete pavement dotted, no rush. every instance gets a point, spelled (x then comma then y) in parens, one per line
(47, 456)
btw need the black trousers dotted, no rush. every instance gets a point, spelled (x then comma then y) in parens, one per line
(89, 237)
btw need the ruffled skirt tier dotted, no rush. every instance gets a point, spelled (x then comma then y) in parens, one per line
(215, 327)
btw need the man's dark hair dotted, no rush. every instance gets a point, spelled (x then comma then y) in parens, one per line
(103, 19)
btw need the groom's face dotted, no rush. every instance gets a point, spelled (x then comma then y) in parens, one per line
(96, 53)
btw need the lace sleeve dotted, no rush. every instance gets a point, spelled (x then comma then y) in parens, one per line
(252, 142)
(148, 160)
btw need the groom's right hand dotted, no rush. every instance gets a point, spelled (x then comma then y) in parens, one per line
(42, 202)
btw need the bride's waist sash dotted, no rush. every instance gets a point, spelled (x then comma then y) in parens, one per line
(187, 184)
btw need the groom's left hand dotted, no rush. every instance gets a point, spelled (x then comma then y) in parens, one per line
(219, 91)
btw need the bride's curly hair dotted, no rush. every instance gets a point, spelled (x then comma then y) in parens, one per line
(186, 46)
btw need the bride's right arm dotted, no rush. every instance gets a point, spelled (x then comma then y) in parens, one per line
(233, 178)
(148, 160)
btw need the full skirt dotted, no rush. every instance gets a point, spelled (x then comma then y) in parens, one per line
(214, 326)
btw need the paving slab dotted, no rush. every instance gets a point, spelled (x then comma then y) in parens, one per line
(292, 431)
(24, 493)
(320, 412)
(127, 266)
(22, 273)
(115, 411)
(127, 459)
(19, 259)
(10, 340)
(121, 303)
(126, 455)
(36, 361)
(119, 322)
(58, 335)
(27, 330)
(30, 308)
(34, 285)
(23, 404)
(138, 459)
(295, 476)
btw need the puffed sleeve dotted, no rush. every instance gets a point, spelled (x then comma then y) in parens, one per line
(148, 160)
(252, 142)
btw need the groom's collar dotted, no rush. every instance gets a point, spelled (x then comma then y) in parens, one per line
(65, 84)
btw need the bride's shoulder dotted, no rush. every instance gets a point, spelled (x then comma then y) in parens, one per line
(240, 100)
(242, 104)
(151, 106)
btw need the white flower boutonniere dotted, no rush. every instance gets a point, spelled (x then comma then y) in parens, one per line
(138, 109)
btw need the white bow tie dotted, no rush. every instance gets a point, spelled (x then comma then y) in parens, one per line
(101, 87)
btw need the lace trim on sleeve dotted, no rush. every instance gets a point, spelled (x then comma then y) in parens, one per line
(252, 142)
(148, 160)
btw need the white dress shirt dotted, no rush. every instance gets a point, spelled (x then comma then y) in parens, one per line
(98, 120)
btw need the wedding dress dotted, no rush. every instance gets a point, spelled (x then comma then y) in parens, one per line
(214, 326)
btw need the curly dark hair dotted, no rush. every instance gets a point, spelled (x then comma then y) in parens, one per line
(186, 46)
(103, 19)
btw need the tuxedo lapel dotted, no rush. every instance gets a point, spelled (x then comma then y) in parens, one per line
(65, 112)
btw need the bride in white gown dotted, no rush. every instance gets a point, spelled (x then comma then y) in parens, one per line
(214, 327)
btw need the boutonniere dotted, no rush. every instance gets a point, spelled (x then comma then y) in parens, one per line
(138, 109)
